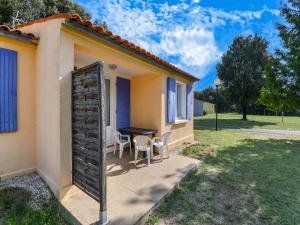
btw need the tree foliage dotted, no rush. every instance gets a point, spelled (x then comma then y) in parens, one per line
(275, 94)
(241, 71)
(207, 95)
(282, 88)
(14, 12)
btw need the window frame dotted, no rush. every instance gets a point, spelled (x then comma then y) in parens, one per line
(183, 115)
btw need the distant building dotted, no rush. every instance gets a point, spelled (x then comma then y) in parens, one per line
(202, 108)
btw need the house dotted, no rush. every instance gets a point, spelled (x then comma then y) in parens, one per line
(36, 61)
(202, 108)
(198, 107)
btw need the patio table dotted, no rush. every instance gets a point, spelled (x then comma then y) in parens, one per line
(137, 131)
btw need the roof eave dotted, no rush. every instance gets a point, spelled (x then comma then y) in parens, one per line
(18, 37)
(94, 34)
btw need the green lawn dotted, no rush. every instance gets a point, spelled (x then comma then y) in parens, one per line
(244, 178)
(254, 121)
(16, 210)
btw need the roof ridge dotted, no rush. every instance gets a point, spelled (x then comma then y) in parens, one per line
(44, 19)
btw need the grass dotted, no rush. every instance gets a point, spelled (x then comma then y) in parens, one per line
(254, 121)
(244, 178)
(15, 209)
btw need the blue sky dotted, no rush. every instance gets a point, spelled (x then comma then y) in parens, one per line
(191, 34)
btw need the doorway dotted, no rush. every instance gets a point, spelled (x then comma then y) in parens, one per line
(108, 112)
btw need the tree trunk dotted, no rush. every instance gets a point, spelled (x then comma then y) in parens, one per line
(244, 112)
(282, 117)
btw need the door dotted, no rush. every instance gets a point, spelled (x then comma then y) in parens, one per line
(123, 103)
(108, 112)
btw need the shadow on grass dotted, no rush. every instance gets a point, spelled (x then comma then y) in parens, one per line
(15, 209)
(231, 123)
(255, 182)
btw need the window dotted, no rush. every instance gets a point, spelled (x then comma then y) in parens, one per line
(8, 90)
(180, 101)
(179, 104)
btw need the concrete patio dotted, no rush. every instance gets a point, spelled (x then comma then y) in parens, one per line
(132, 192)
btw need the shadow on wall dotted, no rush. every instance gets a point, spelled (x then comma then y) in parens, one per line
(255, 182)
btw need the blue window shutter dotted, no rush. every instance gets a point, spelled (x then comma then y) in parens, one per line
(123, 103)
(189, 101)
(8, 90)
(171, 99)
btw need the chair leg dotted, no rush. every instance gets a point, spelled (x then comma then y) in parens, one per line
(115, 148)
(130, 149)
(148, 157)
(121, 151)
(136, 152)
(151, 152)
(168, 151)
(161, 152)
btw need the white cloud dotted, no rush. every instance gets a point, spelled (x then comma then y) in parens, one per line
(237, 16)
(193, 46)
(181, 33)
(124, 20)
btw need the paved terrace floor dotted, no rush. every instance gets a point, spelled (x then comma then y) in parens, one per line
(132, 191)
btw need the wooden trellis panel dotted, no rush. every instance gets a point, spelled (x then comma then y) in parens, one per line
(88, 136)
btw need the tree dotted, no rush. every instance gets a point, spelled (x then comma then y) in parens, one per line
(207, 95)
(288, 58)
(274, 94)
(241, 71)
(15, 12)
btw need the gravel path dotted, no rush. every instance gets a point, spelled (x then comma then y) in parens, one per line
(257, 130)
(33, 183)
(269, 131)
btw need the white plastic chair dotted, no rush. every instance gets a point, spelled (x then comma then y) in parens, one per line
(160, 143)
(144, 144)
(122, 141)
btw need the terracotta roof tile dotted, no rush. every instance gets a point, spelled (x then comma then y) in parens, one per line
(76, 18)
(18, 32)
(99, 29)
(67, 16)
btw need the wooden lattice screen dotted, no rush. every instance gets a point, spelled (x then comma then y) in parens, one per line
(88, 139)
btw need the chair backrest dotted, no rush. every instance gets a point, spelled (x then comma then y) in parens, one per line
(141, 142)
(117, 136)
(165, 137)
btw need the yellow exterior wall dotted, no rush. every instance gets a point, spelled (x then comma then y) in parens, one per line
(17, 149)
(48, 102)
(67, 57)
(145, 101)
